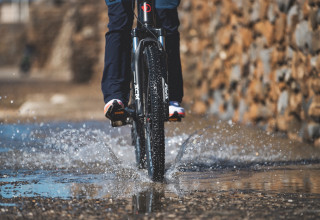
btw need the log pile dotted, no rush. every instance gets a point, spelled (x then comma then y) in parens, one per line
(255, 62)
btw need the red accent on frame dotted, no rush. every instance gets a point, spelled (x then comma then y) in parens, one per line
(146, 8)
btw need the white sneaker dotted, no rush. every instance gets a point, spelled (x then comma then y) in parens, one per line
(114, 110)
(175, 110)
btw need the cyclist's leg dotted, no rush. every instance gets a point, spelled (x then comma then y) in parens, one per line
(115, 82)
(167, 16)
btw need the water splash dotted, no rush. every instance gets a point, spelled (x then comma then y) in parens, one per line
(91, 159)
(224, 145)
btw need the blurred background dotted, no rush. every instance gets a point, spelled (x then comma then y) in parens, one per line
(255, 62)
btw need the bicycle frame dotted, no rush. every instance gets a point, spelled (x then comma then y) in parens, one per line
(146, 31)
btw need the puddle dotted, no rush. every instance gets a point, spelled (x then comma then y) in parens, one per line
(92, 160)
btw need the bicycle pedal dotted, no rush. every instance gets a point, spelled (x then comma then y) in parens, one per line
(119, 115)
(118, 123)
(119, 118)
(175, 118)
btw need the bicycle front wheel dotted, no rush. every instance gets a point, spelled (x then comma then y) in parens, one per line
(155, 69)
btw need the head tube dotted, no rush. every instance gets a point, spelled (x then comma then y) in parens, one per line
(146, 12)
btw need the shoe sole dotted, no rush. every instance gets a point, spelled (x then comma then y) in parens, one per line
(116, 112)
(176, 117)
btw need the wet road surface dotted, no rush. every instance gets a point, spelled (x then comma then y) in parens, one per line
(214, 170)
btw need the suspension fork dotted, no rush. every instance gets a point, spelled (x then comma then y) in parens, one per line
(135, 66)
(138, 76)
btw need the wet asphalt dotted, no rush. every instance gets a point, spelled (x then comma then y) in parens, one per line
(214, 170)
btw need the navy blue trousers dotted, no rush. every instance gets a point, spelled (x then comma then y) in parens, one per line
(116, 78)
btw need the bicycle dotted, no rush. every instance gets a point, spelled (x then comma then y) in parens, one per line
(148, 108)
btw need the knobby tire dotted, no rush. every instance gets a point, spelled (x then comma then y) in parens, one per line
(155, 69)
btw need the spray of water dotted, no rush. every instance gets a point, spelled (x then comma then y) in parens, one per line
(92, 153)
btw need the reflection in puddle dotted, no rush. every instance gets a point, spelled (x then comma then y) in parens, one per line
(295, 179)
(304, 179)
(147, 201)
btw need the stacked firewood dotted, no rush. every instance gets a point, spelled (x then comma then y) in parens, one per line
(255, 62)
